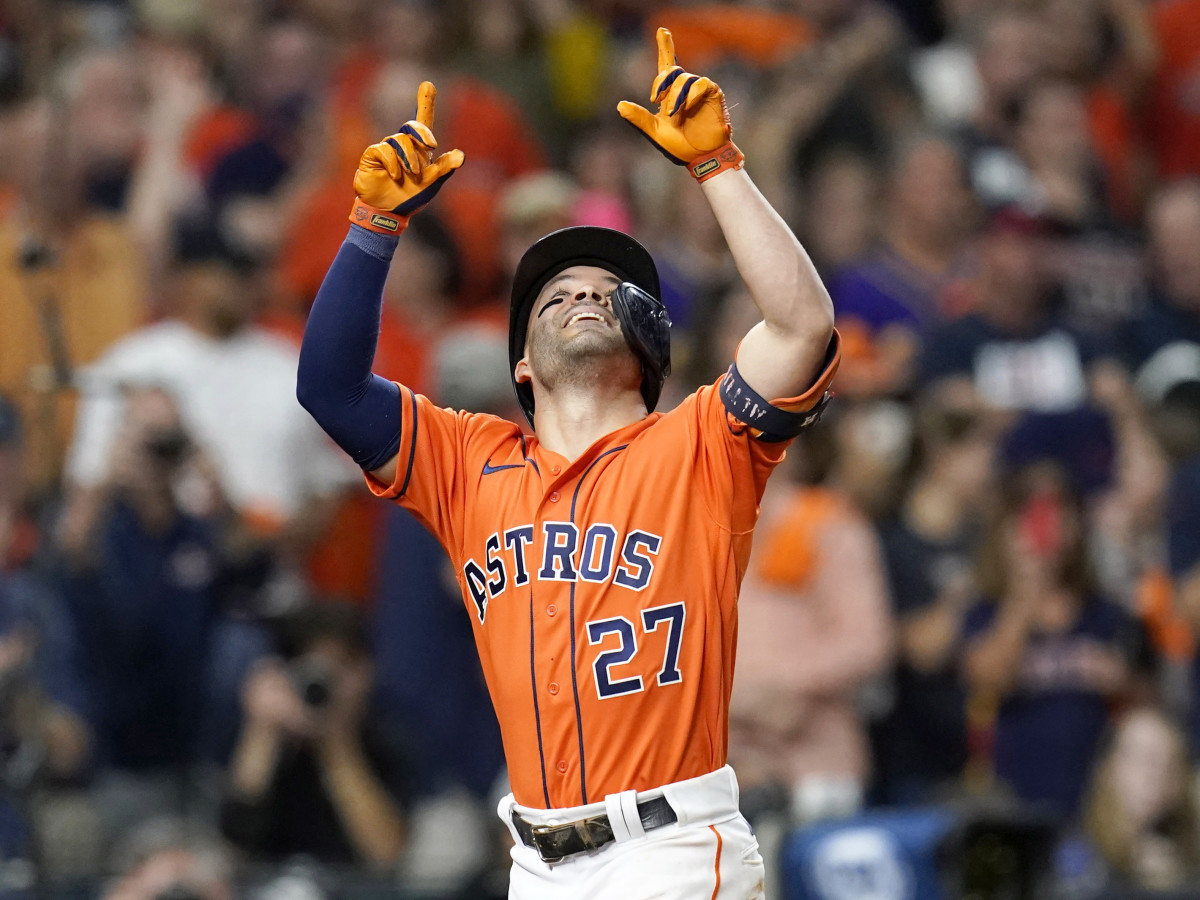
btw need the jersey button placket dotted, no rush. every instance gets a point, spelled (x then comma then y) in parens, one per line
(552, 610)
(552, 687)
(555, 469)
(554, 496)
(562, 766)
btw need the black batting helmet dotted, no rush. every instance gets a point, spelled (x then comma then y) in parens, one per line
(637, 302)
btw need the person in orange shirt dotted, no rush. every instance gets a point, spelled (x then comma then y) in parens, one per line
(1173, 112)
(599, 559)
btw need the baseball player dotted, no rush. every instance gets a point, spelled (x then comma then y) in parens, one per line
(599, 558)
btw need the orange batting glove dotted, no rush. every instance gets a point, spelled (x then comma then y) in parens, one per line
(691, 127)
(399, 175)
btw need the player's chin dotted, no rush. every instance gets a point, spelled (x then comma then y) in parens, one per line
(593, 341)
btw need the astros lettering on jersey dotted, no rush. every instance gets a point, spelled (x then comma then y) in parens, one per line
(602, 591)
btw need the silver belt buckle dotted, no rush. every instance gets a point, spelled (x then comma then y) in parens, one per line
(541, 831)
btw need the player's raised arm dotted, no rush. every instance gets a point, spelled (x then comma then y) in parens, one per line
(782, 356)
(358, 409)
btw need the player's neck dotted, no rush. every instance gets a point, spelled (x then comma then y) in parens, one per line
(569, 421)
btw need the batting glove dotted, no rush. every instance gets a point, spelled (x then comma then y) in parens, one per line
(399, 175)
(691, 127)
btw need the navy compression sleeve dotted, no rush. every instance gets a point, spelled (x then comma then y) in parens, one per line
(358, 409)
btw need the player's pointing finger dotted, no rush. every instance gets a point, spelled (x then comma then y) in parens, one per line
(666, 49)
(425, 95)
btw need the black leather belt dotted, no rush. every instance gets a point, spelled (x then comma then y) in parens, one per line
(555, 842)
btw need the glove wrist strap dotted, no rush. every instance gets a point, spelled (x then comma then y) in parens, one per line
(378, 220)
(725, 157)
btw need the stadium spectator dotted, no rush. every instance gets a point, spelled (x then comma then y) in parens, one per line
(814, 632)
(1173, 223)
(842, 92)
(945, 72)
(1009, 56)
(1172, 119)
(1089, 257)
(316, 771)
(695, 270)
(1063, 181)
(838, 218)
(184, 123)
(250, 181)
(913, 281)
(1014, 353)
(45, 741)
(931, 544)
(1140, 814)
(1169, 383)
(814, 629)
(72, 280)
(531, 206)
(1042, 648)
(172, 858)
(141, 578)
(1108, 49)
(103, 91)
(235, 388)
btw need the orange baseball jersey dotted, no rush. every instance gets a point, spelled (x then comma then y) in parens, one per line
(602, 591)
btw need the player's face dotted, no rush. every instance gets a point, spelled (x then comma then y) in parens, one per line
(573, 334)
(573, 317)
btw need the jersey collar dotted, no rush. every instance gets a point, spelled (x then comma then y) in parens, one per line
(548, 459)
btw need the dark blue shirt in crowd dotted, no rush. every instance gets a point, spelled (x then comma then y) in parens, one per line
(1183, 518)
(27, 603)
(1051, 722)
(29, 607)
(427, 672)
(1040, 370)
(144, 613)
(1040, 374)
(1183, 550)
(1160, 325)
(921, 744)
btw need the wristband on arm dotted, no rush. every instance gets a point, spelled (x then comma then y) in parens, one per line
(378, 220)
(724, 158)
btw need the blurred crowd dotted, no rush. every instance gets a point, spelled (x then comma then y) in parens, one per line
(978, 580)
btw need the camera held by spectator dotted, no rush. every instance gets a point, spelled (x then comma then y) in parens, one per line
(314, 772)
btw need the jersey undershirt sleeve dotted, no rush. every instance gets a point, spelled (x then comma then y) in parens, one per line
(374, 419)
(334, 382)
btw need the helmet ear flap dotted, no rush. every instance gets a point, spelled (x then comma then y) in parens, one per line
(647, 329)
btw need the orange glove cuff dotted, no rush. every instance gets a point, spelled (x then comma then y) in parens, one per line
(377, 220)
(727, 156)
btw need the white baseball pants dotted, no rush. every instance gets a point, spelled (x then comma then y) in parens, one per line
(709, 854)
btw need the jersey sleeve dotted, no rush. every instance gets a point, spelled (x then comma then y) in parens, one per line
(436, 447)
(739, 438)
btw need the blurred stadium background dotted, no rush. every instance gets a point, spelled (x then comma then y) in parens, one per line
(967, 665)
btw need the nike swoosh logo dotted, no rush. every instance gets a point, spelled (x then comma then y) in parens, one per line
(489, 469)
